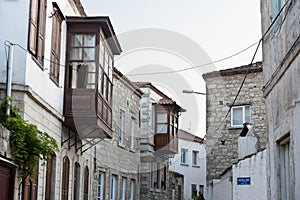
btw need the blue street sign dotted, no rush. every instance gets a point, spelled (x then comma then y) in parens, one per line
(244, 181)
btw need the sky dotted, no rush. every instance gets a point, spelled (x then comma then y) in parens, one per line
(160, 37)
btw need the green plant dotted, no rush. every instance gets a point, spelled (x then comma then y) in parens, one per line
(27, 142)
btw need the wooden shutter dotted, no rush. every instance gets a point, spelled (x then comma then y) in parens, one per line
(49, 172)
(33, 27)
(65, 179)
(41, 31)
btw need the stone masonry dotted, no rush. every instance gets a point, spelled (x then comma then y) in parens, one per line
(222, 139)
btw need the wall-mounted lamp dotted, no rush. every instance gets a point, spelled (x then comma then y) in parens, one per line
(191, 91)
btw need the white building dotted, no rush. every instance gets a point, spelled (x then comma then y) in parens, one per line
(191, 162)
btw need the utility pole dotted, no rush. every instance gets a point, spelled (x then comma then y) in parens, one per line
(9, 73)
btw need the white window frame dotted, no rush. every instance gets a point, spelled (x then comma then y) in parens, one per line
(132, 189)
(123, 188)
(184, 152)
(243, 115)
(196, 164)
(113, 187)
(284, 166)
(122, 127)
(132, 133)
(101, 181)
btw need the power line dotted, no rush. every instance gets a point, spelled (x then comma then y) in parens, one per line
(250, 65)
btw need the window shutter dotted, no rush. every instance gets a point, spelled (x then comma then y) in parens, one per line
(33, 26)
(65, 179)
(86, 183)
(41, 31)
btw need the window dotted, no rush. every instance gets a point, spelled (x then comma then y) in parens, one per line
(132, 189)
(76, 181)
(195, 160)
(161, 123)
(201, 189)
(50, 177)
(194, 190)
(158, 177)
(184, 156)
(113, 187)
(82, 61)
(65, 179)
(240, 115)
(132, 133)
(55, 46)
(30, 186)
(101, 180)
(284, 159)
(123, 188)
(276, 7)
(121, 131)
(37, 29)
(86, 183)
(173, 125)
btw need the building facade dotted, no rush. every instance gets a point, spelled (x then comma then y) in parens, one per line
(224, 121)
(281, 62)
(158, 141)
(62, 82)
(191, 163)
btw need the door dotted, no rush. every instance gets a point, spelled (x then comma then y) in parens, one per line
(6, 182)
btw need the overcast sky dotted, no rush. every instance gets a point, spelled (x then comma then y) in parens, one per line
(212, 30)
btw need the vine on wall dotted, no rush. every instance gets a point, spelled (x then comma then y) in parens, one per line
(28, 144)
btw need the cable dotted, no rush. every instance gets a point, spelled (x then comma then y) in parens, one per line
(250, 65)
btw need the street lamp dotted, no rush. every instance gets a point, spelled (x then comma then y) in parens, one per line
(191, 91)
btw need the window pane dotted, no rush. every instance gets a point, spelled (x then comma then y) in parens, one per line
(89, 53)
(247, 114)
(162, 118)
(237, 116)
(162, 128)
(76, 40)
(89, 40)
(76, 54)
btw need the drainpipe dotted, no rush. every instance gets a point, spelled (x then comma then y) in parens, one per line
(9, 73)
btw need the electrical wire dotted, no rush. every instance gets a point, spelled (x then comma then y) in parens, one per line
(250, 65)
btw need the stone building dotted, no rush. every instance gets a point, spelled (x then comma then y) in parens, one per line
(176, 185)
(158, 141)
(281, 63)
(224, 121)
(117, 160)
(191, 163)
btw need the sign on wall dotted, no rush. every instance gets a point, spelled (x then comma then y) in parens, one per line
(244, 181)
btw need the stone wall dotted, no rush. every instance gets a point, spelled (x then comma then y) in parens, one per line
(221, 138)
(5, 150)
(176, 185)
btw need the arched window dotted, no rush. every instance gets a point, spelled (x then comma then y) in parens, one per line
(50, 177)
(86, 183)
(65, 179)
(76, 181)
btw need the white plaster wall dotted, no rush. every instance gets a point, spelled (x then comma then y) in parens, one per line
(255, 168)
(246, 146)
(222, 190)
(192, 175)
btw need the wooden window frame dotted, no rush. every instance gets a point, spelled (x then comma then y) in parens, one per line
(50, 177)
(86, 183)
(37, 27)
(65, 179)
(76, 182)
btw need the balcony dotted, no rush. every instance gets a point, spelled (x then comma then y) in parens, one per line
(87, 113)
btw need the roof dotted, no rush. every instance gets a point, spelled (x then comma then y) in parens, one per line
(254, 67)
(106, 26)
(165, 100)
(124, 78)
(188, 136)
(79, 7)
(176, 174)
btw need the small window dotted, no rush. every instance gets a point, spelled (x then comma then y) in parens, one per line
(276, 7)
(184, 156)
(86, 183)
(121, 131)
(284, 165)
(194, 190)
(132, 133)
(113, 187)
(101, 181)
(65, 179)
(50, 177)
(201, 189)
(195, 159)
(76, 181)
(132, 189)
(123, 188)
(240, 115)
(161, 123)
